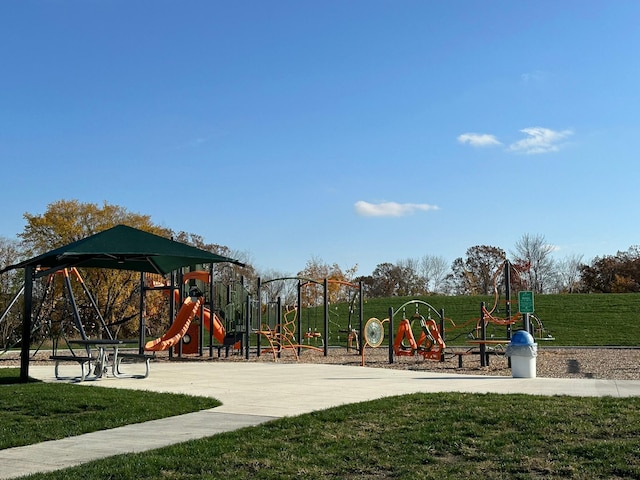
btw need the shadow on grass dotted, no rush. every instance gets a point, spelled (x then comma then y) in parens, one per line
(11, 376)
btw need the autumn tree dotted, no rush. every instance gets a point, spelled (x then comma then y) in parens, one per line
(10, 253)
(411, 282)
(67, 221)
(382, 281)
(567, 274)
(316, 269)
(116, 292)
(409, 276)
(276, 284)
(389, 279)
(476, 273)
(226, 273)
(618, 273)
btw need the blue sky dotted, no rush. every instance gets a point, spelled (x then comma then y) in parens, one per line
(351, 131)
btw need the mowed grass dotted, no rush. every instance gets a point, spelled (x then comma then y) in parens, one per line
(418, 436)
(36, 412)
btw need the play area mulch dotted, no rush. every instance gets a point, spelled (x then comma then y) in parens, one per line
(610, 363)
(601, 363)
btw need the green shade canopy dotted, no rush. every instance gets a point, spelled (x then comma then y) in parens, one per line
(124, 248)
(120, 248)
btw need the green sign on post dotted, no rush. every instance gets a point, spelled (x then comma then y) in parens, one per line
(525, 301)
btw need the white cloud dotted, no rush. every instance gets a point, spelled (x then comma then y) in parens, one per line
(390, 209)
(478, 139)
(540, 140)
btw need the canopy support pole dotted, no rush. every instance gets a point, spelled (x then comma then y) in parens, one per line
(141, 333)
(26, 324)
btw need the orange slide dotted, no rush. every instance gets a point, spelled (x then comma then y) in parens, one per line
(181, 324)
(189, 309)
(218, 328)
(215, 324)
(210, 323)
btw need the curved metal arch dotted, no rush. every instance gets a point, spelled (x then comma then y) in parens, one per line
(264, 282)
(306, 280)
(416, 302)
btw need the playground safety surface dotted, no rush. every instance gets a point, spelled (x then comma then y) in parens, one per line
(254, 393)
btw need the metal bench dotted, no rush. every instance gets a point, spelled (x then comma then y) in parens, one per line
(133, 357)
(81, 360)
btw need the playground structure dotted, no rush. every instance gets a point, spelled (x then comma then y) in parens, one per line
(485, 334)
(232, 319)
(481, 333)
(430, 343)
(477, 328)
(373, 335)
(429, 332)
(120, 248)
(74, 332)
(305, 322)
(530, 322)
(208, 305)
(179, 327)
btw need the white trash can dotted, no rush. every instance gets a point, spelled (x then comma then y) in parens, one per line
(522, 351)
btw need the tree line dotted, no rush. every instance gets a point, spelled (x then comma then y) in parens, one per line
(480, 272)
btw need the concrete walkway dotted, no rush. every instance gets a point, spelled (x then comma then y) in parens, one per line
(253, 393)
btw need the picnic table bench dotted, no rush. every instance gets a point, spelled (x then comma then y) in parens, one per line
(80, 359)
(130, 357)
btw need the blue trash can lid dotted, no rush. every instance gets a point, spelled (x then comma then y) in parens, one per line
(522, 337)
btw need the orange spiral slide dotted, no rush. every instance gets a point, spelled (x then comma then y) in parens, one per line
(178, 328)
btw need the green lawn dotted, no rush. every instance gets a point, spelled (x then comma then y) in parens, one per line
(419, 436)
(35, 412)
(413, 437)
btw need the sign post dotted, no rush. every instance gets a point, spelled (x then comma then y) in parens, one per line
(525, 301)
(525, 306)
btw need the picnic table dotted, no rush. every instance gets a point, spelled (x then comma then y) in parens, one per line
(103, 361)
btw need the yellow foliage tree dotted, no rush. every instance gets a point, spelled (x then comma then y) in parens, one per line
(317, 270)
(116, 292)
